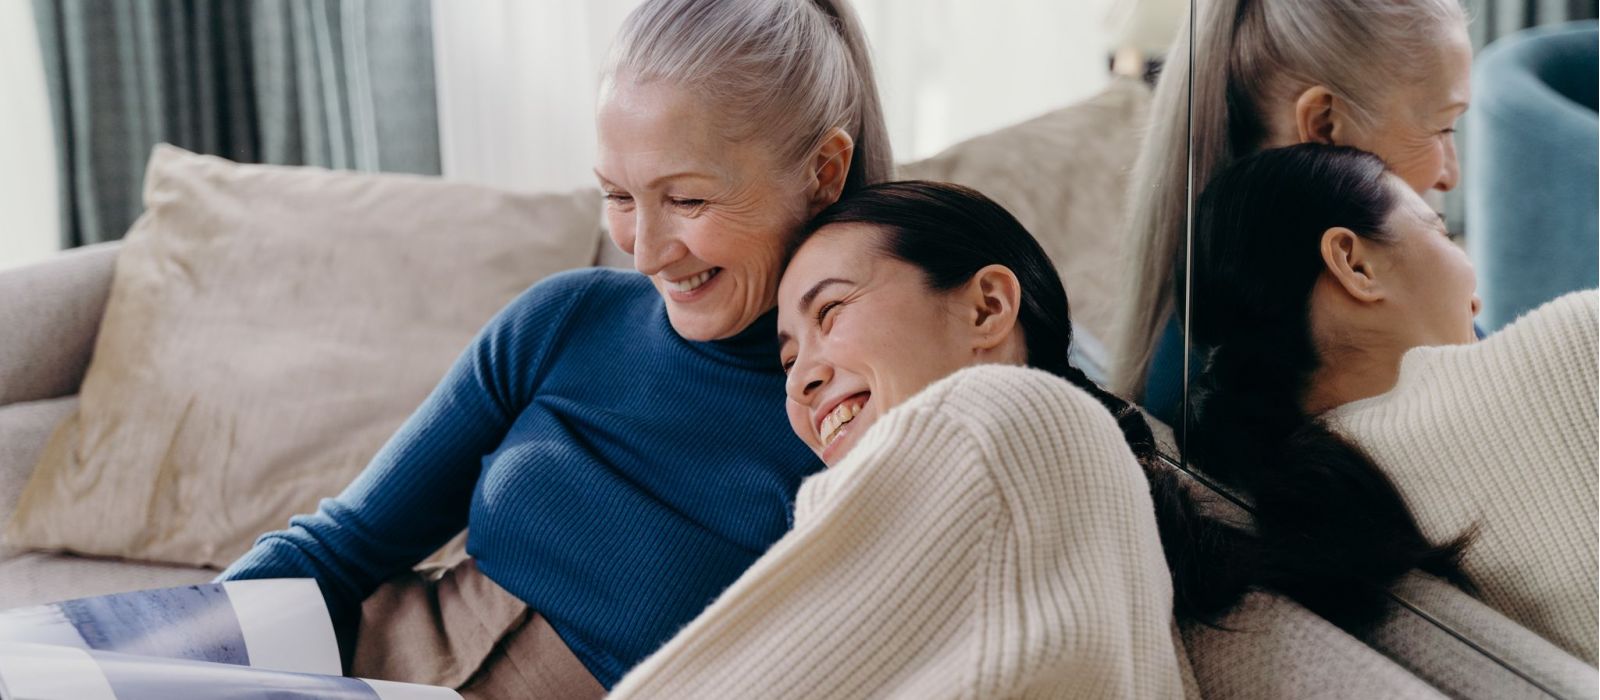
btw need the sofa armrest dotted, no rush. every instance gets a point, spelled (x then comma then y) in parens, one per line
(50, 312)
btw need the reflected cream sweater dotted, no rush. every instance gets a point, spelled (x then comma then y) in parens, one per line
(992, 537)
(1502, 434)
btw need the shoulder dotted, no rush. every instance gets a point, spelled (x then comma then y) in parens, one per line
(1545, 360)
(572, 287)
(1011, 398)
(1553, 343)
(1023, 419)
(1573, 317)
(591, 289)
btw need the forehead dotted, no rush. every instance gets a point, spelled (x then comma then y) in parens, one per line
(656, 128)
(1447, 83)
(838, 250)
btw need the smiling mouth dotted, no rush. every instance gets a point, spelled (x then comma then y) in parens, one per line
(690, 284)
(840, 416)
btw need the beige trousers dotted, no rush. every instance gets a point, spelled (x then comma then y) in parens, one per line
(454, 627)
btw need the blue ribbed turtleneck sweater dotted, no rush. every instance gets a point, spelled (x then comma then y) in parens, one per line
(611, 474)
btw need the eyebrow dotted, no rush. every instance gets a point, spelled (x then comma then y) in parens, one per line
(807, 298)
(659, 180)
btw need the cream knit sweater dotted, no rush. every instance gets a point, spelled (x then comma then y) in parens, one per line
(1502, 434)
(993, 537)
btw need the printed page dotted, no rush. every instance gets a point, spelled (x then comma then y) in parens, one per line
(44, 672)
(272, 624)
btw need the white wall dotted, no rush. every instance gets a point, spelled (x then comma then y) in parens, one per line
(517, 78)
(29, 219)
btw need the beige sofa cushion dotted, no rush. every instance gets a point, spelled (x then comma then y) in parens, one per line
(268, 329)
(1064, 175)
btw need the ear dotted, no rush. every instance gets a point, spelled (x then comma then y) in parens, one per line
(829, 168)
(1350, 259)
(1320, 117)
(992, 298)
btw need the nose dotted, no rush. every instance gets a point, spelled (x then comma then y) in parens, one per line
(806, 380)
(654, 245)
(1450, 169)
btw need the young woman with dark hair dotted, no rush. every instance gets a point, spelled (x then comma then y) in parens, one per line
(992, 523)
(1343, 393)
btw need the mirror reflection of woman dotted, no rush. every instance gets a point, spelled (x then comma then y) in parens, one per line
(992, 523)
(1344, 392)
(1386, 76)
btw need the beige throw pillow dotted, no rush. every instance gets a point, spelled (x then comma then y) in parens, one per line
(268, 329)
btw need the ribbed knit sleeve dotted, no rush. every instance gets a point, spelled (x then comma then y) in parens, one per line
(991, 537)
(414, 494)
(1502, 434)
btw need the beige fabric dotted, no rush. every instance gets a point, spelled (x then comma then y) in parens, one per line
(456, 628)
(992, 537)
(1271, 648)
(24, 428)
(49, 315)
(1502, 434)
(1458, 668)
(268, 329)
(31, 578)
(1064, 175)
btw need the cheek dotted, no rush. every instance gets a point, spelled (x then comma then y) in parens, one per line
(1419, 163)
(799, 420)
(620, 226)
(737, 243)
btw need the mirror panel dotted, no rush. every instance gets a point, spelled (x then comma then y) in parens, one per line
(1520, 209)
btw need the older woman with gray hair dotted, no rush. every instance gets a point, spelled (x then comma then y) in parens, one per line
(1386, 76)
(614, 443)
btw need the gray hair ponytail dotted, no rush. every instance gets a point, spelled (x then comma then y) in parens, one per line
(1250, 54)
(785, 70)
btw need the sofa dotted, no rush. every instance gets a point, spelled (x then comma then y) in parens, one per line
(53, 314)
(1532, 167)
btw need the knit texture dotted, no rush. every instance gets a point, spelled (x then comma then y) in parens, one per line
(611, 474)
(1502, 434)
(993, 537)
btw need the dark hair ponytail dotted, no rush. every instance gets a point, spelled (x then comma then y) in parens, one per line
(950, 232)
(1334, 531)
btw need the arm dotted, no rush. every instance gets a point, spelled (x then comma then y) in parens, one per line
(415, 494)
(922, 565)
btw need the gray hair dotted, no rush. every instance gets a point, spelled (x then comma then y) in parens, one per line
(786, 70)
(1250, 54)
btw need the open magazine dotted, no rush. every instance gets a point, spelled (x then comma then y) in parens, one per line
(240, 640)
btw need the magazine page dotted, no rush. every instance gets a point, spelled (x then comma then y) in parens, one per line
(47, 672)
(271, 624)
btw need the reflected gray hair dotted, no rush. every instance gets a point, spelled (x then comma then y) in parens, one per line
(1249, 54)
(789, 71)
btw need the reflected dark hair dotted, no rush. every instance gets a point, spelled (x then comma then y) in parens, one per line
(1335, 533)
(951, 232)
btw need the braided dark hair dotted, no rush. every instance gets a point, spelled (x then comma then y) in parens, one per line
(1334, 531)
(951, 232)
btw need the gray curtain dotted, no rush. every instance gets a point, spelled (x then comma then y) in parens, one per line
(335, 83)
(1492, 19)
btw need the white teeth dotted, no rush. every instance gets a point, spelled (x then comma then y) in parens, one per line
(692, 283)
(838, 418)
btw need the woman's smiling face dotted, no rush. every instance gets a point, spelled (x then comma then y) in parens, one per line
(705, 217)
(861, 333)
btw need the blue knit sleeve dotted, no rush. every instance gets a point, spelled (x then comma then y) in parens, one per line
(415, 493)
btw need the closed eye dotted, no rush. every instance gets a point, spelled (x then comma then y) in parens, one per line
(688, 203)
(822, 311)
(788, 365)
